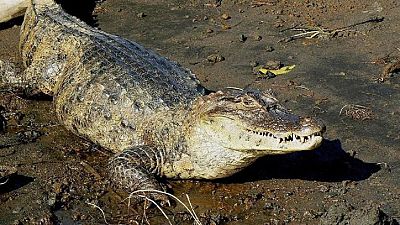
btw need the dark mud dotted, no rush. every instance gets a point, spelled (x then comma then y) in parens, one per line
(353, 178)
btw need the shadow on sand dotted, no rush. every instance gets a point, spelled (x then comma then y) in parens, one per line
(329, 163)
(14, 182)
(82, 9)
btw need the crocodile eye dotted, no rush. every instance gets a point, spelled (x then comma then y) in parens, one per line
(249, 102)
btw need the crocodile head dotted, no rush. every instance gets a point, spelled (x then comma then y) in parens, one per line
(227, 131)
(255, 123)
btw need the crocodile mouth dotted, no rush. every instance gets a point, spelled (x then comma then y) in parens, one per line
(288, 137)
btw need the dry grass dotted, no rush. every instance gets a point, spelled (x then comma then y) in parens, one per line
(189, 209)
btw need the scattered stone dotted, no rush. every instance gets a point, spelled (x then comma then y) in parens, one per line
(205, 18)
(391, 69)
(17, 222)
(186, 16)
(279, 23)
(141, 15)
(225, 16)
(273, 65)
(253, 63)
(213, 219)
(29, 136)
(52, 199)
(311, 214)
(269, 49)
(289, 193)
(241, 11)
(209, 31)
(214, 58)
(268, 75)
(257, 38)
(242, 38)
(17, 210)
(57, 187)
(272, 206)
(323, 188)
(76, 216)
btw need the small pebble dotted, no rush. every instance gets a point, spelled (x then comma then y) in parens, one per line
(29, 136)
(269, 49)
(209, 30)
(57, 187)
(17, 222)
(257, 38)
(214, 58)
(52, 199)
(242, 38)
(253, 63)
(205, 18)
(273, 64)
(225, 16)
(140, 15)
(16, 210)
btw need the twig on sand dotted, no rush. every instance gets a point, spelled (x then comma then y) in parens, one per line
(319, 32)
(258, 3)
(190, 209)
(157, 205)
(101, 210)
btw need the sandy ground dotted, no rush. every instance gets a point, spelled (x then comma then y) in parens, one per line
(353, 178)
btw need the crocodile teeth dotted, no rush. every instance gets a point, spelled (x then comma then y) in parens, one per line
(289, 138)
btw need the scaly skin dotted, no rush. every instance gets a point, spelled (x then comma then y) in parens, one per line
(150, 111)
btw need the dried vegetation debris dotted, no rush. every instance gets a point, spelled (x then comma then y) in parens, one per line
(390, 69)
(325, 33)
(357, 112)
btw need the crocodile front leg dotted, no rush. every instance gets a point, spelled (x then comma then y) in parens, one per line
(135, 169)
(12, 79)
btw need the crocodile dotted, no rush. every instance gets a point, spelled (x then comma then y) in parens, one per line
(151, 112)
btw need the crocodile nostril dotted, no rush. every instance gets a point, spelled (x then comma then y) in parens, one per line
(323, 129)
